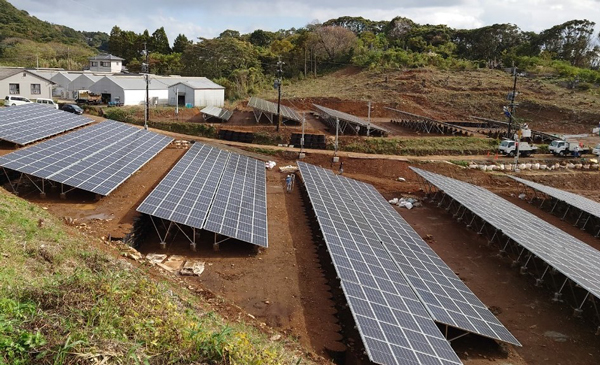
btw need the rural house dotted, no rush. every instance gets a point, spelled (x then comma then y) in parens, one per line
(22, 82)
(106, 63)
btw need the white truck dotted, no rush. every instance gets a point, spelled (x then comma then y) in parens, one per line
(508, 147)
(560, 147)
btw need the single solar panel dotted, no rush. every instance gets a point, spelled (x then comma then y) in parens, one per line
(391, 320)
(447, 299)
(270, 107)
(573, 258)
(98, 158)
(216, 112)
(32, 122)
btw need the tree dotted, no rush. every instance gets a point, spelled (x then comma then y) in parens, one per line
(334, 41)
(261, 38)
(115, 41)
(229, 33)
(572, 41)
(180, 44)
(159, 42)
(488, 43)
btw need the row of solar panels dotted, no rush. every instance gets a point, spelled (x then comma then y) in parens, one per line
(215, 190)
(395, 284)
(99, 158)
(573, 258)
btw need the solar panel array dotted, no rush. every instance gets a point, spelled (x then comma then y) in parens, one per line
(32, 122)
(216, 112)
(580, 202)
(349, 118)
(447, 299)
(270, 107)
(215, 190)
(98, 158)
(392, 322)
(570, 256)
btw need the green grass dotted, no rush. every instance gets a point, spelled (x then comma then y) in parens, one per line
(420, 146)
(65, 302)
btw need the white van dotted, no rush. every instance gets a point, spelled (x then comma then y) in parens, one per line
(12, 100)
(48, 102)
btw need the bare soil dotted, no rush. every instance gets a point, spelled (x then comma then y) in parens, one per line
(286, 286)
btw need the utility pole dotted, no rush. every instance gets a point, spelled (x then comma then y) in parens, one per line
(512, 102)
(302, 155)
(337, 134)
(369, 120)
(147, 77)
(278, 82)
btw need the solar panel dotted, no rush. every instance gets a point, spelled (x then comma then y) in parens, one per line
(98, 158)
(392, 322)
(349, 118)
(215, 190)
(185, 194)
(570, 256)
(219, 113)
(269, 107)
(239, 209)
(578, 201)
(447, 299)
(32, 122)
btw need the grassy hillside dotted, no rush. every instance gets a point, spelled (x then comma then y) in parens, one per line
(68, 299)
(544, 101)
(28, 41)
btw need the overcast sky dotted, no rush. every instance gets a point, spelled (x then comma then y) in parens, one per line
(202, 18)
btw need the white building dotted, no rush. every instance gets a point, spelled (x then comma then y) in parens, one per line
(195, 91)
(22, 82)
(106, 63)
(84, 81)
(131, 90)
(63, 88)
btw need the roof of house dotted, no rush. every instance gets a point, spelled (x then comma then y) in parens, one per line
(193, 82)
(6, 72)
(137, 83)
(104, 57)
(67, 75)
(92, 77)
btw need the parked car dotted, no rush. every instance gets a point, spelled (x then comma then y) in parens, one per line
(12, 100)
(596, 150)
(72, 108)
(48, 102)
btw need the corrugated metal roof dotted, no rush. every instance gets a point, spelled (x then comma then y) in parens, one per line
(137, 83)
(193, 82)
(67, 75)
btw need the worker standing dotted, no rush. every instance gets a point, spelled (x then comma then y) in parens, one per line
(288, 183)
(341, 168)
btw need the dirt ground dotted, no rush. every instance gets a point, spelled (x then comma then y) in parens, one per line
(285, 286)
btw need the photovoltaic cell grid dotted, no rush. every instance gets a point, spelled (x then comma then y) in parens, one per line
(98, 158)
(215, 190)
(32, 122)
(219, 113)
(269, 107)
(392, 322)
(349, 118)
(570, 256)
(580, 202)
(185, 194)
(447, 299)
(239, 209)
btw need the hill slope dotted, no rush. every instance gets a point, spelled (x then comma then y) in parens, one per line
(450, 95)
(66, 298)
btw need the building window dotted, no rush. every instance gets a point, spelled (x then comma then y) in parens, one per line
(36, 89)
(14, 89)
(94, 64)
(104, 64)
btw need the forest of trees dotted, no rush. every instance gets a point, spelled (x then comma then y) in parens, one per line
(246, 63)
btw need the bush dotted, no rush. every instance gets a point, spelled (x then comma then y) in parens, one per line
(120, 115)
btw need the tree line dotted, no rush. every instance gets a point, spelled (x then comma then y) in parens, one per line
(244, 63)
